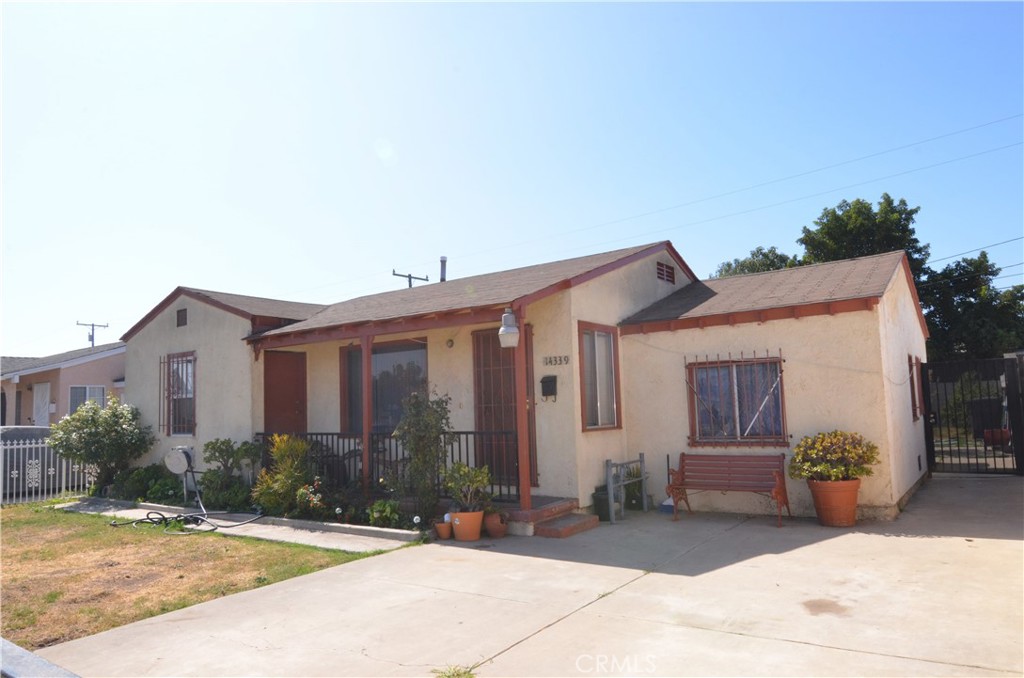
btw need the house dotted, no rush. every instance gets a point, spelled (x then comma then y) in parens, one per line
(618, 353)
(40, 391)
(189, 370)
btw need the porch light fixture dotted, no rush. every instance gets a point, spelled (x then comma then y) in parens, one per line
(508, 335)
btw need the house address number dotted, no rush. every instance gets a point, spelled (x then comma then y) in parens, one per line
(556, 360)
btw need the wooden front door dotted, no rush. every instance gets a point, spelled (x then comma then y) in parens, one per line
(284, 392)
(494, 397)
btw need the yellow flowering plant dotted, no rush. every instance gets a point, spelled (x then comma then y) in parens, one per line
(836, 455)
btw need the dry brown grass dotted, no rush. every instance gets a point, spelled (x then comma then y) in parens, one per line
(67, 575)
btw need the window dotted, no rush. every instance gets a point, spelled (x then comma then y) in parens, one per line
(737, 402)
(80, 394)
(667, 273)
(178, 384)
(182, 317)
(914, 372)
(399, 369)
(599, 348)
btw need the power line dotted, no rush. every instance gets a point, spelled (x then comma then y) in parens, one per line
(798, 175)
(944, 281)
(977, 249)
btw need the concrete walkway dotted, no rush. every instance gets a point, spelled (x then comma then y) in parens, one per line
(936, 592)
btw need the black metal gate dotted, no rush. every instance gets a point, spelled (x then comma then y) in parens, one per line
(974, 415)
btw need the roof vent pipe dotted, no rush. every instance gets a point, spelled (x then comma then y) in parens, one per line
(444, 268)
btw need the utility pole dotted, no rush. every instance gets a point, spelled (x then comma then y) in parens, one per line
(92, 331)
(410, 277)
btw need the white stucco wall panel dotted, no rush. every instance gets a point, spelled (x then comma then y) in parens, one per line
(902, 337)
(223, 374)
(832, 378)
(607, 300)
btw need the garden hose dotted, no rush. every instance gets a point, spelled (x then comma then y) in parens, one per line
(200, 520)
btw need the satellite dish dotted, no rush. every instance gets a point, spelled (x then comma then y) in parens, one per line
(178, 460)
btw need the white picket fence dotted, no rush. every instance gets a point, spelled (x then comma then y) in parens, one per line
(32, 471)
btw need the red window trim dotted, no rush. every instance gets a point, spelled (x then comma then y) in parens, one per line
(168, 423)
(583, 327)
(343, 375)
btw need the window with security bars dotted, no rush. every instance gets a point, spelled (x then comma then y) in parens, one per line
(178, 386)
(81, 394)
(737, 402)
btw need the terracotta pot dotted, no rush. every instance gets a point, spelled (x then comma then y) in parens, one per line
(467, 525)
(495, 526)
(835, 501)
(444, 530)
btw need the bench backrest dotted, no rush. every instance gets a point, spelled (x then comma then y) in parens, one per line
(730, 472)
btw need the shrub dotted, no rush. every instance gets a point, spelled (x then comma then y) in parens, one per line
(152, 483)
(424, 431)
(468, 486)
(384, 513)
(310, 503)
(836, 455)
(220, 492)
(276, 488)
(107, 438)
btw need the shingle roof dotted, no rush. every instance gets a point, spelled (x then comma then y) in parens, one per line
(480, 291)
(849, 279)
(12, 365)
(273, 308)
(239, 304)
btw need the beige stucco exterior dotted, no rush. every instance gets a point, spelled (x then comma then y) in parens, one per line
(106, 369)
(847, 370)
(224, 374)
(844, 371)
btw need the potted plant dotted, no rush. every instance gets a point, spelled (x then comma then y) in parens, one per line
(495, 521)
(467, 487)
(832, 464)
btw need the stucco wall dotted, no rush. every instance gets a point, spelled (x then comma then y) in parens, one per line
(607, 300)
(832, 378)
(902, 336)
(223, 374)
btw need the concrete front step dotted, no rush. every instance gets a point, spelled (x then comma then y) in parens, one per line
(566, 525)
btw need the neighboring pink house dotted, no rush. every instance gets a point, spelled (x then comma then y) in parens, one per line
(39, 391)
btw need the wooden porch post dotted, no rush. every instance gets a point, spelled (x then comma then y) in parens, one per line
(366, 345)
(522, 413)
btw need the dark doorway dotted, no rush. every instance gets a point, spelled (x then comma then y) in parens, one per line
(494, 396)
(284, 392)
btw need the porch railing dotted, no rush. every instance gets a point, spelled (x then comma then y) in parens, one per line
(338, 458)
(33, 471)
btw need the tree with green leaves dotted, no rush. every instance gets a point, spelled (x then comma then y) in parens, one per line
(967, 316)
(759, 261)
(856, 229)
(107, 438)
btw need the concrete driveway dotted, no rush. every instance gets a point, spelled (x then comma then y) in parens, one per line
(936, 592)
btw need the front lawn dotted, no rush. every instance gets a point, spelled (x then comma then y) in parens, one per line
(67, 575)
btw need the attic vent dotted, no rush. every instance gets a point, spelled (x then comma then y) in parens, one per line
(182, 317)
(667, 273)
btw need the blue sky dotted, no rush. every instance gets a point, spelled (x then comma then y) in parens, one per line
(305, 151)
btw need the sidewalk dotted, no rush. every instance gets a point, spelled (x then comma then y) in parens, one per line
(939, 591)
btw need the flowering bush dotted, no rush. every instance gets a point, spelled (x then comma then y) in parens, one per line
(836, 455)
(309, 501)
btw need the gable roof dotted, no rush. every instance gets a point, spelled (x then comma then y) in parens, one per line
(12, 366)
(238, 304)
(480, 297)
(828, 288)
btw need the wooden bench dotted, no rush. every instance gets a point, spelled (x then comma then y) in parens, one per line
(761, 474)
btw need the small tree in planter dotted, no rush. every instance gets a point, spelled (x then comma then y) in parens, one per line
(107, 438)
(424, 432)
(832, 464)
(468, 489)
